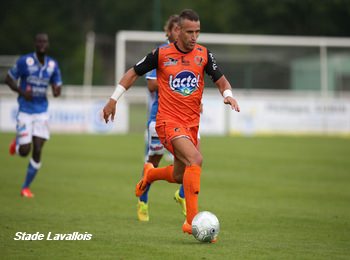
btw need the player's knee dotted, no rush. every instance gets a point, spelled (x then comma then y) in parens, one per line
(37, 155)
(154, 162)
(24, 150)
(197, 159)
(178, 175)
(154, 159)
(155, 165)
(178, 178)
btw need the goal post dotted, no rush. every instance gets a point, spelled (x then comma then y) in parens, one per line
(284, 84)
(246, 52)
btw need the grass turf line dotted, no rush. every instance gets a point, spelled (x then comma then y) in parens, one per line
(275, 197)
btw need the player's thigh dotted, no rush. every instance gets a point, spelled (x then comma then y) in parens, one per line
(155, 146)
(24, 128)
(41, 126)
(186, 151)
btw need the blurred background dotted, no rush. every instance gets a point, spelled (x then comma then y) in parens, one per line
(300, 70)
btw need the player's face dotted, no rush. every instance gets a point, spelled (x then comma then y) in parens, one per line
(41, 43)
(173, 33)
(189, 32)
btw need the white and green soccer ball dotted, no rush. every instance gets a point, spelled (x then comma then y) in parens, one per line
(205, 227)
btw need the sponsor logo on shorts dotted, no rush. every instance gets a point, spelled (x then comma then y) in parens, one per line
(156, 148)
(21, 127)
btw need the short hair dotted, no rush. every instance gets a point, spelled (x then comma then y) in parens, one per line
(189, 14)
(39, 34)
(172, 20)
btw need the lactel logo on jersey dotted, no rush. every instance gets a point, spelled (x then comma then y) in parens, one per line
(184, 82)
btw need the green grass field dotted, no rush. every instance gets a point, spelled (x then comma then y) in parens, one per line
(275, 197)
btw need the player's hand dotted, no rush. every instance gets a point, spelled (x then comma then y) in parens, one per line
(56, 91)
(109, 110)
(27, 93)
(232, 102)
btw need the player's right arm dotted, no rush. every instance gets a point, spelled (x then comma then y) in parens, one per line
(12, 81)
(125, 83)
(12, 84)
(146, 64)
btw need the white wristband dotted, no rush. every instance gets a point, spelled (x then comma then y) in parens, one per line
(118, 92)
(227, 93)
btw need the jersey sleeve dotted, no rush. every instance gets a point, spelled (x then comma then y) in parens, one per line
(147, 64)
(17, 70)
(212, 68)
(56, 78)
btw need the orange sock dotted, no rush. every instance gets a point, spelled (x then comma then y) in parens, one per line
(164, 173)
(191, 182)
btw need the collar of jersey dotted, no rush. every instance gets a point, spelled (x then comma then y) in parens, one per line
(181, 50)
(37, 60)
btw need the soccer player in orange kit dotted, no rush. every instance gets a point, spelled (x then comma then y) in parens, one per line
(180, 75)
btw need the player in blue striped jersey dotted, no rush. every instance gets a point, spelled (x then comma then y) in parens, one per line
(30, 78)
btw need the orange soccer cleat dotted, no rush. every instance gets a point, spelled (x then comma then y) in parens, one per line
(12, 147)
(25, 192)
(187, 228)
(142, 184)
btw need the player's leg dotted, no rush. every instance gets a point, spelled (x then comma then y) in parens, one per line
(154, 153)
(150, 173)
(187, 153)
(34, 165)
(21, 144)
(40, 135)
(142, 203)
(179, 197)
(166, 134)
(179, 169)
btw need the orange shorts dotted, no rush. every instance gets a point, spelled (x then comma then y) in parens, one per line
(167, 131)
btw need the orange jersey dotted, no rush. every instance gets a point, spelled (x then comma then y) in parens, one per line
(180, 78)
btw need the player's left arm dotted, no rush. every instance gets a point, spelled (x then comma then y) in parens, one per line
(226, 91)
(56, 81)
(221, 82)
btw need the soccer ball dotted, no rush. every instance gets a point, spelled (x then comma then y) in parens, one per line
(205, 227)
